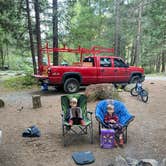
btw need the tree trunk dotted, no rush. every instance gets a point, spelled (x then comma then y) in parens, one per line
(2, 58)
(163, 59)
(158, 63)
(55, 31)
(38, 32)
(138, 38)
(117, 27)
(31, 37)
(132, 54)
(163, 53)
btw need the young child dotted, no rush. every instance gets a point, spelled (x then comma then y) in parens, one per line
(75, 113)
(111, 119)
(139, 86)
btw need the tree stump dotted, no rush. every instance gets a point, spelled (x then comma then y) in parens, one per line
(36, 101)
(2, 103)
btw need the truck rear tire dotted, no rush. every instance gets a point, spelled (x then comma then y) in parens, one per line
(71, 85)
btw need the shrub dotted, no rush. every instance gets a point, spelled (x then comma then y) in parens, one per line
(20, 82)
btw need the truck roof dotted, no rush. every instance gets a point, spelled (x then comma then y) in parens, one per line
(103, 56)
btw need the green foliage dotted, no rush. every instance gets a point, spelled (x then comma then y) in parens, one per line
(23, 64)
(84, 23)
(149, 70)
(20, 82)
(88, 26)
(13, 30)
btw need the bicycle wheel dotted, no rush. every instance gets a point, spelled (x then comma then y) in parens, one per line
(134, 92)
(144, 96)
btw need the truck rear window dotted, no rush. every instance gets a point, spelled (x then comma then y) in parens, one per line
(90, 60)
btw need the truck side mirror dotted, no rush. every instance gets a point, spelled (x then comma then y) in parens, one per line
(127, 64)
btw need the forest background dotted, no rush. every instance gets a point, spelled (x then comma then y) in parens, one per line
(135, 28)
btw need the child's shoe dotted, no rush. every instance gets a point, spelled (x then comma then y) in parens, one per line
(115, 144)
(70, 122)
(121, 142)
(82, 122)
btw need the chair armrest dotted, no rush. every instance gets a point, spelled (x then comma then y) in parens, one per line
(90, 112)
(130, 120)
(103, 124)
(63, 116)
(98, 119)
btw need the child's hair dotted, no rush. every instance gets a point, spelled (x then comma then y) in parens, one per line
(110, 106)
(73, 100)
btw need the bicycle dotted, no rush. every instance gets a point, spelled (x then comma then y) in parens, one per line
(140, 92)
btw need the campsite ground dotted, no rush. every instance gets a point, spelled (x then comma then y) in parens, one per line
(146, 134)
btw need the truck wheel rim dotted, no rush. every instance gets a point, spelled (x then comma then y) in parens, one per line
(72, 87)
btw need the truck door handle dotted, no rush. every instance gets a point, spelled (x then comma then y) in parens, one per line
(102, 70)
(115, 70)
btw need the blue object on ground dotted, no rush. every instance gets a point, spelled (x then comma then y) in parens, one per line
(32, 131)
(82, 158)
(44, 87)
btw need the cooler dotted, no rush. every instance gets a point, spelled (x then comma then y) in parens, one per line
(107, 138)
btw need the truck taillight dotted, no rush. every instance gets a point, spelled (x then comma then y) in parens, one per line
(49, 71)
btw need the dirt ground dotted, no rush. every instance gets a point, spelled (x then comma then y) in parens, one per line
(146, 134)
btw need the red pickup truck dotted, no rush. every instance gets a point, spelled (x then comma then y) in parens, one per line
(93, 69)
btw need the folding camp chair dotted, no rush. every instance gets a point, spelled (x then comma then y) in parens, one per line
(76, 129)
(121, 111)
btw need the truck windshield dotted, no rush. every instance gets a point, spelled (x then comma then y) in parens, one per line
(119, 63)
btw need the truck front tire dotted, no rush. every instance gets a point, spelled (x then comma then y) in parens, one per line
(134, 79)
(71, 85)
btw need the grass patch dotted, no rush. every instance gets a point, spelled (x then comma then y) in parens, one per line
(20, 82)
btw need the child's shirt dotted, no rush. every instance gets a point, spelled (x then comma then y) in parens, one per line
(75, 112)
(139, 86)
(109, 117)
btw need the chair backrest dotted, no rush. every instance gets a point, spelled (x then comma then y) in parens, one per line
(119, 108)
(82, 103)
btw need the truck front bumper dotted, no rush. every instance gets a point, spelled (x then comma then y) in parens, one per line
(42, 78)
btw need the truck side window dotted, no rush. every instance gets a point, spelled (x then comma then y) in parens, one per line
(105, 62)
(119, 63)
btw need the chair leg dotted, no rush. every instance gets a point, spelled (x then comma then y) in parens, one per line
(63, 135)
(91, 133)
(99, 128)
(125, 135)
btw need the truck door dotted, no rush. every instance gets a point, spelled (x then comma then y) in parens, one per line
(106, 70)
(88, 71)
(121, 71)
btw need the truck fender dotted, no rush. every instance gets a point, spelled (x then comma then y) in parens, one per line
(75, 75)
